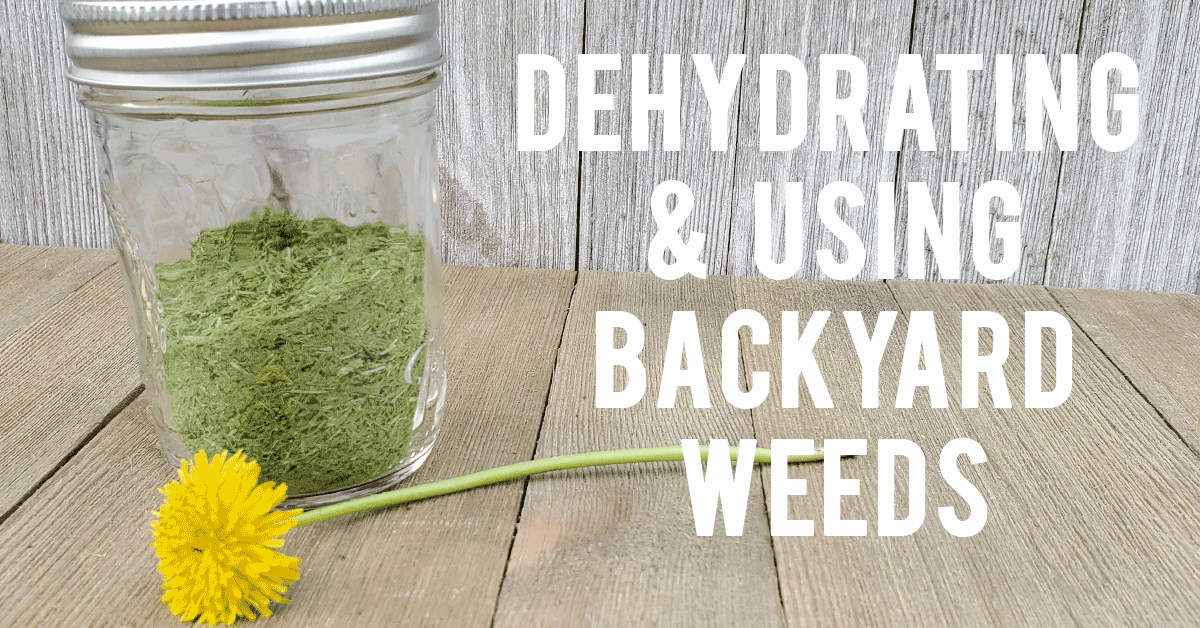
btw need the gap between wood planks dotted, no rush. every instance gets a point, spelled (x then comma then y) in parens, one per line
(541, 422)
(83, 442)
(1058, 184)
(762, 482)
(1132, 384)
(64, 286)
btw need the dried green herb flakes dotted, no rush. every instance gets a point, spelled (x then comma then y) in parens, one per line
(289, 339)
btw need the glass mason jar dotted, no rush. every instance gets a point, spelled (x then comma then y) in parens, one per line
(269, 169)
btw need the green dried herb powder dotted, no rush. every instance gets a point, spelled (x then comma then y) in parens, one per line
(289, 339)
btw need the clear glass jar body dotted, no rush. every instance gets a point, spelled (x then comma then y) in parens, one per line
(280, 249)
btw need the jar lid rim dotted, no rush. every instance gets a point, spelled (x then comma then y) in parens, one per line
(75, 11)
(199, 44)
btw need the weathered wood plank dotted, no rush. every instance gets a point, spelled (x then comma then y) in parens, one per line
(1098, 488)
(12, 256)
(1155, 340)
(1127, 220)
(33, 279)
(502, 207)
(928, 578)
(987, 29)
(503, 332)
(616, 187)
(614, 546)
(60, 375)
(48, 194)
(86, 533)
(875, 32)
(78, 551)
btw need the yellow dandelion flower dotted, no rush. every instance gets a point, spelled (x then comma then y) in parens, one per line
(217, 538)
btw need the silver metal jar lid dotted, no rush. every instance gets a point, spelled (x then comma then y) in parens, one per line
(215, 44)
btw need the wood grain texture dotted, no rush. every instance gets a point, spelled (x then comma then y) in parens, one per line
(48, 194)
(875, 32)
(1126, 220)
(1092, 520)
(36, 278)
(929, 578)
(77, 553)
(60, 375)
(1091, 218)
(617, 546)
(987, 29)
(12, 257)
(502, 207)
(1155, 340)
(428, 564)
(616, 187)
(440, 563)
(1095, 490)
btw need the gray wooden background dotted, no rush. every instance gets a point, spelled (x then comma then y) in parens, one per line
(1127, 220)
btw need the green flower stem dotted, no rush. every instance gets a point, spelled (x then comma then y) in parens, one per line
(518, 470)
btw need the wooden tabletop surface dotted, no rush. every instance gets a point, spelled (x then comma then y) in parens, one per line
(1094, 506)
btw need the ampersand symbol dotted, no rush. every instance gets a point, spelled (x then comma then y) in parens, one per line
(687, 255)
